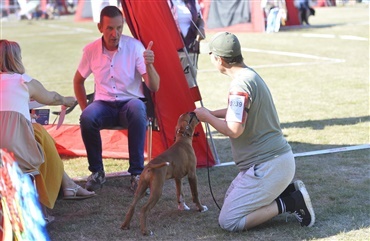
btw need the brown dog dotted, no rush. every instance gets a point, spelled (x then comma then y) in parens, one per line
(176, 162)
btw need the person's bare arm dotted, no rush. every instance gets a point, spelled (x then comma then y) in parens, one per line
(231, 129)
(38, 92)
(219, 113)
(80, 91)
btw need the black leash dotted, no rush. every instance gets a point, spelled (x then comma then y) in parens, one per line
(209, 178)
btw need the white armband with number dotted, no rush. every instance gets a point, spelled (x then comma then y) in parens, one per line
(236, 111)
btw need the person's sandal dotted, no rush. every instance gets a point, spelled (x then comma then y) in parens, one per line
(74, 196)
(49, 219)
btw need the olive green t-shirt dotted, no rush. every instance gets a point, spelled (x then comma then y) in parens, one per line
(262, 139)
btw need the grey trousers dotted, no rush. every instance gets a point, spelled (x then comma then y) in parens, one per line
(255, 188)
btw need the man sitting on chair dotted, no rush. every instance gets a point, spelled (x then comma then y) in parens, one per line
(119, 64)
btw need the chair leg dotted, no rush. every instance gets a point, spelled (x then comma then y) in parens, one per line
(150, 138)
(32, 175)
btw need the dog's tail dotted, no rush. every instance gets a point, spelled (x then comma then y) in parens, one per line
(154, 166)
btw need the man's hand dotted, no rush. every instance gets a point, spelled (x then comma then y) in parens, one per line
(151, 77)
(149, 54)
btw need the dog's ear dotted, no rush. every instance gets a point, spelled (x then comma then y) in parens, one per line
(181, 125)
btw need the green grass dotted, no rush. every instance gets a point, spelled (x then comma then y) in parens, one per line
(322, 104)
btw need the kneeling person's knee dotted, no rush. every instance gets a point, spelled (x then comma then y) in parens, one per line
(231, 224)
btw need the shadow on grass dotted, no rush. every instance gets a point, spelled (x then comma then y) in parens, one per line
(321, 124)
(299, 27)
(223, 145)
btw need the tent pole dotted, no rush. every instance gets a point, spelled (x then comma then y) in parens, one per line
(217, 161)
(192, 70)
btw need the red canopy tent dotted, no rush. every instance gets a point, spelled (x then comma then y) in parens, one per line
(153, 21)
(240, 16)
(150, 21)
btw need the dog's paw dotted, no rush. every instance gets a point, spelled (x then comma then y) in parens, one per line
(125, 227)
(203, 209)
(148, 233)
(183, 207)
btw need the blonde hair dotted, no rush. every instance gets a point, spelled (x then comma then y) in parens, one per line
(10, 57)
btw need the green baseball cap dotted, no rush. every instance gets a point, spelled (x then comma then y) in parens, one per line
(225, 44)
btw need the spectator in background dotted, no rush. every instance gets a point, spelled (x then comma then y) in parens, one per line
(51, 11)
(27, 9)
(305, 10)
(275, 13)
(190, 23)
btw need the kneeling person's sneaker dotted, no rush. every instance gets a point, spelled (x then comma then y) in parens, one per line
(95, 181)
(294, 186)
(303, 210)
(298, 185)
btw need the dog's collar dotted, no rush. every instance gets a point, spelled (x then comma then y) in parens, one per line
(187, 127)
(183, 133)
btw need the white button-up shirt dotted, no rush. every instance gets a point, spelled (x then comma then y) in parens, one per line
(117, 78)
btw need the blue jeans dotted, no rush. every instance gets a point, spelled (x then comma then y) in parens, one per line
(104, 115)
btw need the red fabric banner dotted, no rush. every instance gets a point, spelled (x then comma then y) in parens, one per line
(153, 21)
